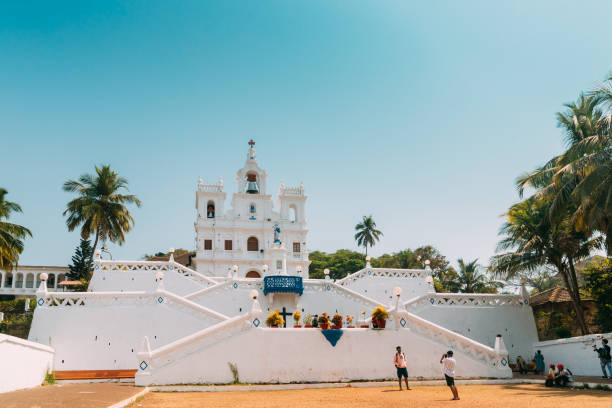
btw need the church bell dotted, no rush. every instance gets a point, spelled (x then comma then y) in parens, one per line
(252, 188)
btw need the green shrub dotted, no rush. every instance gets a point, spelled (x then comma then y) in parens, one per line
(562, 332)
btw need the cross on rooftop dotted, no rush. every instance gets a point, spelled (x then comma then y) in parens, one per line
(251, 143)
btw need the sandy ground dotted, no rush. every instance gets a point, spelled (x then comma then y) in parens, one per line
(472, 396)
(96, 395)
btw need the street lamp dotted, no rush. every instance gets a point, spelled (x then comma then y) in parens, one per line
(326, 272)
(253, 294)
(264, 268)
(298, 269)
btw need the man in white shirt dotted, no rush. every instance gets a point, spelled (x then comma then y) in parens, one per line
(400, 364)
(448, 367)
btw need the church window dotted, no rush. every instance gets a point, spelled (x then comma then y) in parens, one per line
(252, 244)
(279, 264)
(228, 244)
(210, 209)
(208, 244)
(292, 213)
(252, 209)
(296, 247)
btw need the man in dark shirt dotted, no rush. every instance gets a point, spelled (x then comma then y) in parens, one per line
(604, 357)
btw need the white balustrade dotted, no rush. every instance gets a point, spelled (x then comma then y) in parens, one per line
(154, 266)
(465, 299)
(384, 272)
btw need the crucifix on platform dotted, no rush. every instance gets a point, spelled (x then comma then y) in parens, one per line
(285, 313)
(251, 143)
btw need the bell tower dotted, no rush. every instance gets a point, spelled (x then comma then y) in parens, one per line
(251, 178)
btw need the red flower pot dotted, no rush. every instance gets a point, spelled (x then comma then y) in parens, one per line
(297, 325)
(379, 324)
(275, 327)
(308, 326)
(324, 326)
(337, 326)
(364, 326)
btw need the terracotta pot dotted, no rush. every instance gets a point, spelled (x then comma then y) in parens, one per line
(350, 327)
(379, 324)
(324, 326)
(337, 326)
(297, 325)
(308, 326)
(364, 326)
(275, 327)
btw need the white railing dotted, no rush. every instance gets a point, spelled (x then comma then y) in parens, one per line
(149, 360)
(296, 191)
(210, 188)
(153, 266)
(384, 272)
(227, 285)
(465, 299)
(105, 299)
(338, 290)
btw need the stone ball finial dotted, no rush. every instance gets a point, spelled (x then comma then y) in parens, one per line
(44, 276)
(253, 294)
(159, 275)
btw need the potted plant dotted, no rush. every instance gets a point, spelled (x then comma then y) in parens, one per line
(337, 321)
(308, 321)
(379, 317)
(362, 322)
(349, 321)
(296, 318)
(324, 321)
(275, 319)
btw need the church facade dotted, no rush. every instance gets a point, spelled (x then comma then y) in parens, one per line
(251, 238)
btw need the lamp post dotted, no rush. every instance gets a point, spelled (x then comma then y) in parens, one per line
(298, 269)
(397, 291)
(264, 268)
(105, 250)
(326, 272)
(368, 259)
(235, 271)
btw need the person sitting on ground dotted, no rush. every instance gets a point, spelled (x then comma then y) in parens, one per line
(448, 367)
(522, 365)
(564, 376)
(539, 360)
(400, 364)
(550, 377)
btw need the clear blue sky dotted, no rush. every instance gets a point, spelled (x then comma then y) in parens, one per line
(420, 113)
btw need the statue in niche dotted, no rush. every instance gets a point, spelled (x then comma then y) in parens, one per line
(276, 234)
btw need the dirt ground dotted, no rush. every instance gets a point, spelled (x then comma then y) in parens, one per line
(472, 396)
(96, 395)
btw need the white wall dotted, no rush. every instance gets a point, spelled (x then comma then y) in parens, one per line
(378, 283)
(24, 363)
(576, 353)
(105, 335)
(481, 323)
(304, 355)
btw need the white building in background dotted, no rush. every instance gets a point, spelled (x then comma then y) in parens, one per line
(251, 234)
(23, 280)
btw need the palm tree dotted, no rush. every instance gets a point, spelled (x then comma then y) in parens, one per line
(100, 209)
(580, 179)
(532, 241)
(472, 281)
(11, 235)
(367, 234)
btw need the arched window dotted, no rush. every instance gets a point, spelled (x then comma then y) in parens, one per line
(210, 209)
(60, 278)
(252, 275)
(292, 213)
(29, 280)
(252, 244)
(51, 280)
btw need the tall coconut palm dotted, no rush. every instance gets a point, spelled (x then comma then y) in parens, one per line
(580, 179)
(100, 209)
(11, 235)
(532, 240)
(367, 234)
(470, 279)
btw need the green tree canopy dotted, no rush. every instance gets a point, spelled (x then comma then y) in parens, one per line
(598, 282)
(100, 209)
(11, 235)
(82, 265)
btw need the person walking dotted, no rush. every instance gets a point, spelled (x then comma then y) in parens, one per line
(604, 357)
(539, 360)
(399, 360)
(448, 367)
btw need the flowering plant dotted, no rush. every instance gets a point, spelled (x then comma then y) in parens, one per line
(324, 319)
(349, 319)
(308, 320)
(297, 316)
(275, 319)
(337, 319)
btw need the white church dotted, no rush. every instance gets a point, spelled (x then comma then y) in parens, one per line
(163, 323)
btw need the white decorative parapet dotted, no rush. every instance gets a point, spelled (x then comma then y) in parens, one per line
(153, 266)
(384, 272)
(465, 299)
(295, 191)
(338, 290)
(24, 363)
(210, 188)
(576, 353)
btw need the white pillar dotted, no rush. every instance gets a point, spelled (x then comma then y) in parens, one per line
(2, 280)
(14, 279)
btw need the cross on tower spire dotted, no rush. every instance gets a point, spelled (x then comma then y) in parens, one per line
(251, 143)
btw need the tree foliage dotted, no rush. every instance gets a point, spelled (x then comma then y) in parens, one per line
(82, 265)
(473, 280)
(367, 234)
(11, 235)
(598, 282)
(100, 209)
